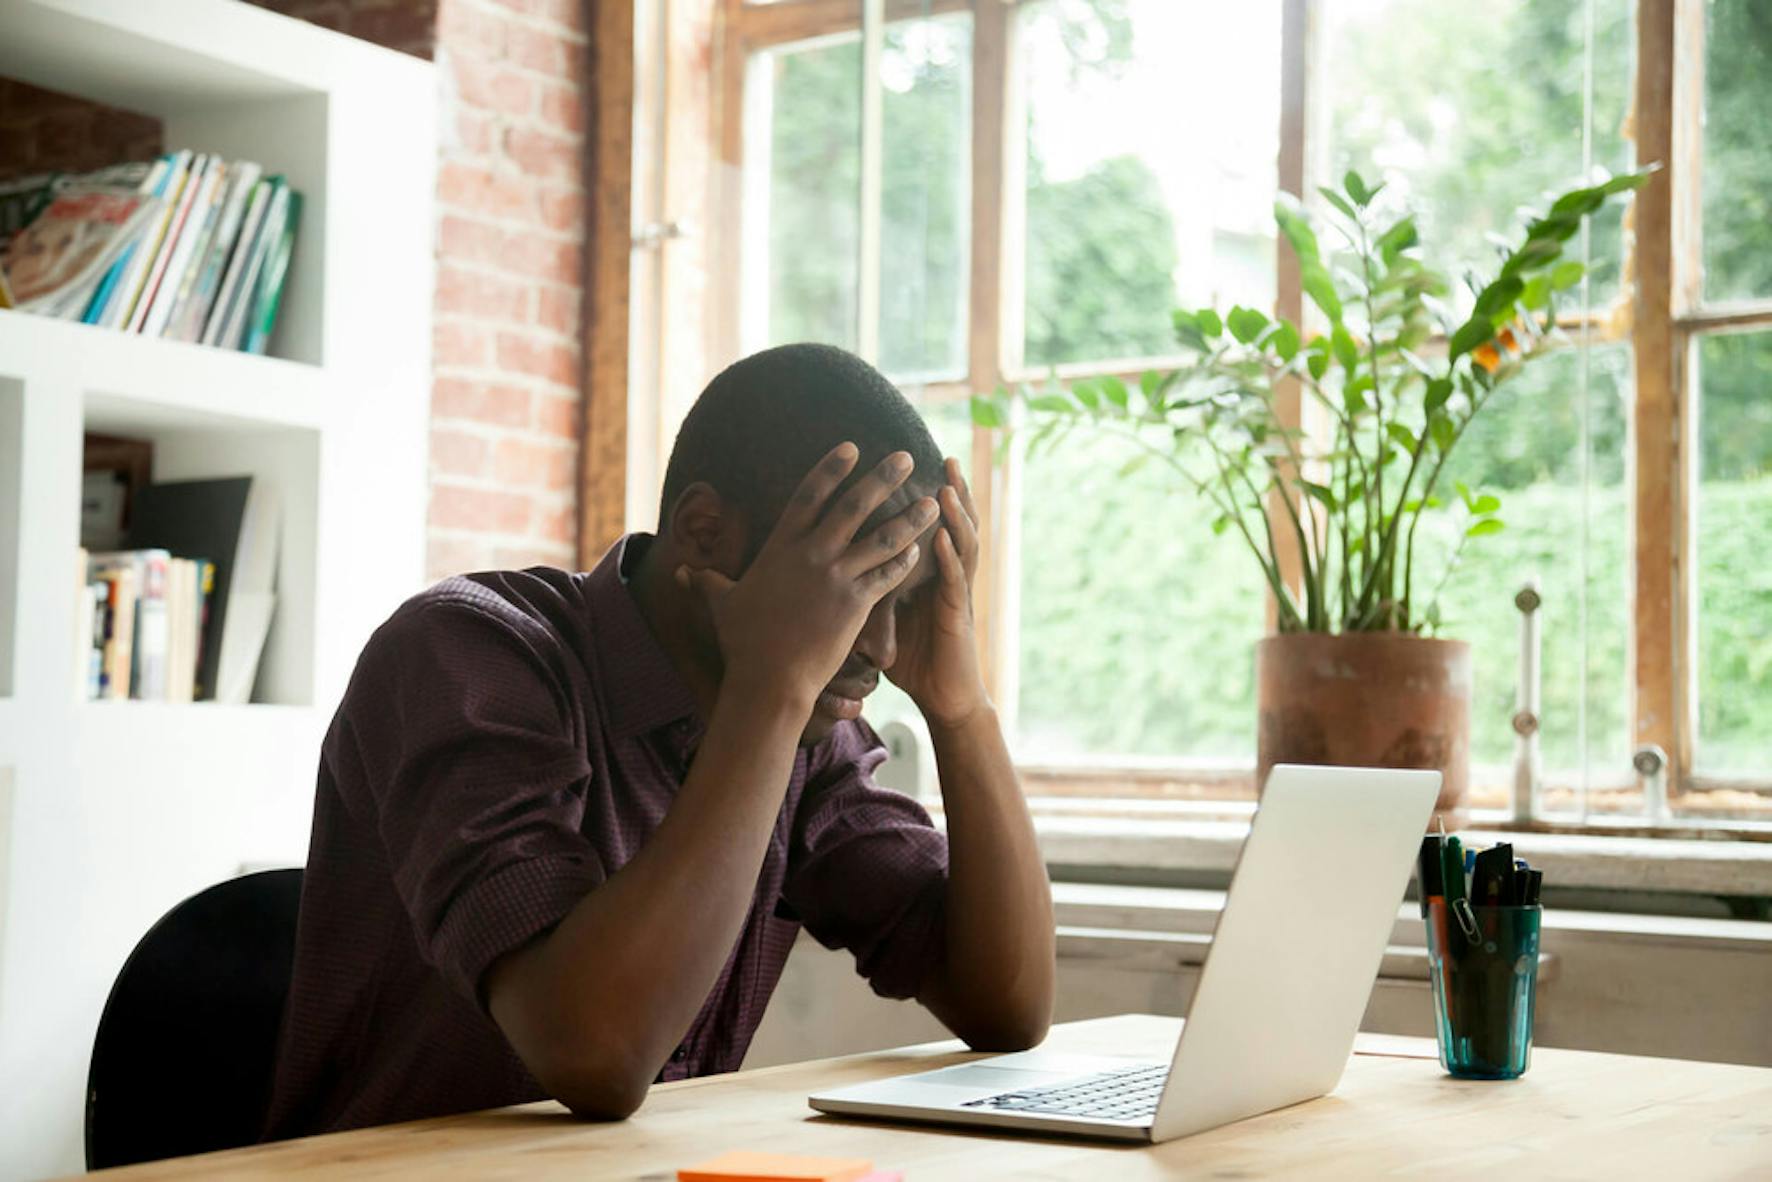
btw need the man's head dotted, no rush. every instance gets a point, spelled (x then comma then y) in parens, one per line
(745, 446)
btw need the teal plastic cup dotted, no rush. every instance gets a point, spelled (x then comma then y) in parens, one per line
(1483, 962)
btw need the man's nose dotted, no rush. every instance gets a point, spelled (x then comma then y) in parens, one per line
(878, 640)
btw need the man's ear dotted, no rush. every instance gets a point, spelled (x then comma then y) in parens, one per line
(707, 530)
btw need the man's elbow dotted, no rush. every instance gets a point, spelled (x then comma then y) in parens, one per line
(1003, 1033)
(597, 1094)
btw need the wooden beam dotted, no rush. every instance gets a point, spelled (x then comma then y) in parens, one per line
(1295, 43)
(764, 25)
(995, 203)
(872, 180)
(1657, 443)
(602, 487)
(1738, 316)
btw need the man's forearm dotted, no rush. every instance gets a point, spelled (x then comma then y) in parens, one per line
(995, 988)
(596, 1007)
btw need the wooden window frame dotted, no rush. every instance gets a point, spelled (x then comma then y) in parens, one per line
(1665, 319)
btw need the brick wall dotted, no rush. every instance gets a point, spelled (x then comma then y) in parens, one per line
(508, 356)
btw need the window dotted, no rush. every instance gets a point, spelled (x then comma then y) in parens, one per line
(1050, 177)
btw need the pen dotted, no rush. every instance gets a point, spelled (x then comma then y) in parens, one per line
(1428, 867)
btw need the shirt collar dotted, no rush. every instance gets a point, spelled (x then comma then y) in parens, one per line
(643, 690)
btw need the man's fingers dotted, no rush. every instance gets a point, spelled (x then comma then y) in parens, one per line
(845, 516)
(879, 582)
(705, 581)
(954, 583)
(809, 499)
(957, 480)
(889, 538)
(962, 528)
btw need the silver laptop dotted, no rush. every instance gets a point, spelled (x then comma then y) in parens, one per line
(1287, 978)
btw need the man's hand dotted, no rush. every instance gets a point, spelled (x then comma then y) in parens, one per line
(790, 620)
(937, 661)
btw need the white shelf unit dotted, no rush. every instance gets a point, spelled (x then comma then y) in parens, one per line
(114, 811)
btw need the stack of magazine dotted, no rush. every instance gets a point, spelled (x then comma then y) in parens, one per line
(190, 247)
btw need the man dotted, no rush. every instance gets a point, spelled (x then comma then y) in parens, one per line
(568, 825)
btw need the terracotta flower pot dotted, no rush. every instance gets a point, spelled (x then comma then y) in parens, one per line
(1367, 700)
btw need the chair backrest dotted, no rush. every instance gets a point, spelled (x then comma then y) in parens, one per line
(184, 1055)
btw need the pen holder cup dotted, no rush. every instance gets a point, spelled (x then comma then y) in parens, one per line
(1484, 965)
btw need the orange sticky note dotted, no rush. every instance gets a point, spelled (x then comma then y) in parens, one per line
(749, 1165)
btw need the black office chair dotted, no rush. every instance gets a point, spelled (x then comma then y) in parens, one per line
(184, 1054)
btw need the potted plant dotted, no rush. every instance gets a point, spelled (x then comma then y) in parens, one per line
(1397, 368)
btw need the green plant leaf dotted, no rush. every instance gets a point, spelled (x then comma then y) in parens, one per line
(1486, 503)
(1210, 325)
(1114, 390)
(1353, 396)
(1394, 241)
(1485, 527)
(1536, 294)
(1246, 323)
(1402, 435)
(1134, 464)
(1187, 330)
(1284, 342)
(1443, 431)
(1221, 523)
(1314, 278)
(1497, 300)
(1321, 493)
(1318, 364)
(1438, 391)
(1149, 383)
(1566, 275)
(987, 411)
(1356, 188)
(1289, 215)
(1338, 201)
(1464, 493)
(1346, 352)
(1052, 404)
(1476, 331)
(1087, 392)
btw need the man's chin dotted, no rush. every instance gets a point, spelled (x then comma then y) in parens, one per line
(823, 722)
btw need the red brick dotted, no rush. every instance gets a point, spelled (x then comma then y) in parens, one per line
(456, 343)
(480, 509)
(555, 54)
(556, 362)
(563, 209)
(563, 108)
(521, 462)
(468, 240)
(454, 556)
(458, 453)
(566, 14)
(559, 524)
(476, 189)
(491, 86)
(63, 138)
(496, 403)
(559, 417)
(557, 308)
(481, 296)
(466, 26)
(544, 155)
(473, 132)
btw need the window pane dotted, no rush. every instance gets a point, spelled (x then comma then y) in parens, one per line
(1470, 111)
(1734, 537)
(1525, 448)
(813, 195)
(1152, 149)
(1737, 174)
(814, 214)
(1138, 625)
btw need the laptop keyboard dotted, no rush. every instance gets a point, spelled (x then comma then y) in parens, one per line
(1125, 1093)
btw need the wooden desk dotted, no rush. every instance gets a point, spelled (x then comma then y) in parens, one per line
(1574, 1115)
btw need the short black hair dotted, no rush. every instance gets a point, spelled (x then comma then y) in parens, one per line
(763, 422)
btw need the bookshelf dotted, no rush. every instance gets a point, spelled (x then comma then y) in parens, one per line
(117, 810)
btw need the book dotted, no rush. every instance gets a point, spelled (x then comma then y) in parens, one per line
(230, 284)
(118, 633)
(59, 259)
(233, 333)
(154, 185)
(263, 319)
(189, 320)
(198, 222)
(233, 523)
(21, 200)
(168, 248)
(121, 304)
(752, 1165)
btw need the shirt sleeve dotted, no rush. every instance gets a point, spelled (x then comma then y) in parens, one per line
(867, 870)
(475, 772)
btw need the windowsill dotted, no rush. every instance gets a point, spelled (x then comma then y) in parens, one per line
(1206, 838)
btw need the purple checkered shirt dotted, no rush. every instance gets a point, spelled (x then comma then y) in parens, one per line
(507, 742)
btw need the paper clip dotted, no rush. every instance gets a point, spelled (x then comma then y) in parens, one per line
(1467, 920)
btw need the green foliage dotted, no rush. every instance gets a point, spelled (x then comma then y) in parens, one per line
(1397, 417)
